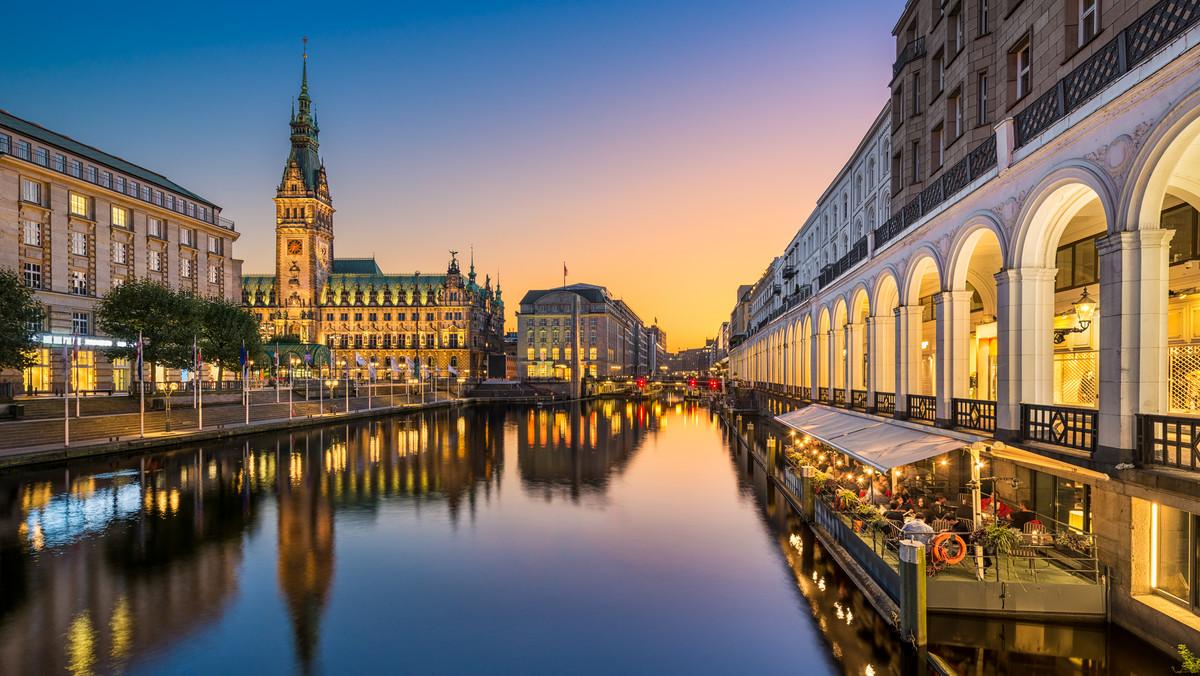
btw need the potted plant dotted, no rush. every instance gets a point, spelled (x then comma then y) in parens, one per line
(996, 538)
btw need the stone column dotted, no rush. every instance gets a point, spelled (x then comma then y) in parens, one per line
(853, 368)
(882, 376)
(831, 357)
(1025, 344)
(953, 326)
(814, 364)
(871, 324)
(1134, 281)
(908, 353)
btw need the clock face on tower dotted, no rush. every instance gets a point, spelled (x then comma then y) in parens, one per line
(293, 247)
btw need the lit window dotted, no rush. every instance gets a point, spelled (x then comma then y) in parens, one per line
(120, 217)
(79, 285)
(80, 206)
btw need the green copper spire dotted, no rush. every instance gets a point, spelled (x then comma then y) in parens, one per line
(305, 131)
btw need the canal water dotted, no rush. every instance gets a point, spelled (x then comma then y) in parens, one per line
(602, 538)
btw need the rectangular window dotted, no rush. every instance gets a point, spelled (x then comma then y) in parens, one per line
(23, 150)
(31, 191)
(939, 72)
(358, 316)
(937, 147)
(955, 28)
(214, 245)
(118, 253)
(5, 143)
(1182, 220)
(79, 244)
(982, 103)
(1089, 17)
(76, 168)
(954, 111)
(429, 340)
(79, 285)
(33, 275)
(1023, 69)
(120, 185)
(91, 174)
(529, 354)
(154, 227)
(345, 316)
(43, 157)
(155, 261)
(984, 27)
(401, 340)
(187, 237)
(328, 316)
(592, 353)
(80, 206)
(1172, 541)
(371, 317)
(214, 274)
(60, 163)
(31, 233)
(185, 268)
(80, 323)
(916, 161)
(120, 217)
(916, 94)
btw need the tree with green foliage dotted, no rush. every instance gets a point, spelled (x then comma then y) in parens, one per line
(168, 321)
(284, 339)
(21, 317)
(225, 326)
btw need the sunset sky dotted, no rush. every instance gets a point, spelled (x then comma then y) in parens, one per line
(666, 150)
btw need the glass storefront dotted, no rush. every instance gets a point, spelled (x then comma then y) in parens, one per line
(1172, 534)
(120, 374)
(36, 378)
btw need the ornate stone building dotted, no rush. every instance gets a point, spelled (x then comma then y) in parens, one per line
(349, 304)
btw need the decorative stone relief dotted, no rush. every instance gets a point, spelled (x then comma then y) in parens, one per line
(1007, 211)
(1116, 157)
(943, 245)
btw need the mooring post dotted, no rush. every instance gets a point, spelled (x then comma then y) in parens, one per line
(807, 493)
(912, 591)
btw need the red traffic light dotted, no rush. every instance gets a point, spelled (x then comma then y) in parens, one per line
(691, 382)
(714, 384)
(641, 382)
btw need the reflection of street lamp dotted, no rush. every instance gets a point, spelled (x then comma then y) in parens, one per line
(168, 389)
(1085, 309)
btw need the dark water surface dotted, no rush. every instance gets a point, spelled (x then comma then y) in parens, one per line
(605, 538)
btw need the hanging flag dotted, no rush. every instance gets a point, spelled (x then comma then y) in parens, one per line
(139, 355)
(359, 360)
(308, 356)
(408, 364)
(452, 371)
(371, 370)
(395, 369)
(564, 268)
(245, 362)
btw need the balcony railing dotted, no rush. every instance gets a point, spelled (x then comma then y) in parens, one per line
(99, 178)
(978, 162)
(975, 414)
(789, 271)
(922, 407)
(1064, 426)
(1150, 32)
(911, 52)
(805, 393)
(834, 270)
(839, 396)
(885, 403)
(823, 394)
(1169, 441)
(858, 399)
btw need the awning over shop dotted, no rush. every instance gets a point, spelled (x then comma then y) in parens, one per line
(875, 442)
(1049, 465)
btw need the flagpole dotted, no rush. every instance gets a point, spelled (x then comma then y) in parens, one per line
(75, 371)
(141, 390)
(276, 372)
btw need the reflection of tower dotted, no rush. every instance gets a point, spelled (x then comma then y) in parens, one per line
(305, 566)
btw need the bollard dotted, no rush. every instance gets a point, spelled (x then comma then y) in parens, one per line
(912, 592)
(808, 503)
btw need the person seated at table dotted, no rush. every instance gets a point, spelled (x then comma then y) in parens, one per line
(960, 526)
(922, 506)
(917, 529)
(1022, 516)
(901, 494)
(878, 495)
(893, 512)
(992, 506)
(943, 508)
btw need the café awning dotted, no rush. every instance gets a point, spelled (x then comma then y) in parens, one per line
(1048, 465)
(880, 443)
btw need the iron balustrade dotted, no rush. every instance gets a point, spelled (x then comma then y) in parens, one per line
(858, 399)
(885, 402)
(1169, 441)
(1066, 426)
(975, 414)
(911, 52)
(839, 397)
(1150, 32)
(806, 393)
(922, 407)
(823, 394)
(101, 179)
(978, 162)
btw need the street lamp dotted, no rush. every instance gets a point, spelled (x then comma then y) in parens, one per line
(331, 383)
(1085, 309)
(342, 363)
(167, 389)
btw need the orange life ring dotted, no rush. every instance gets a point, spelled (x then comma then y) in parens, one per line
(939, 549)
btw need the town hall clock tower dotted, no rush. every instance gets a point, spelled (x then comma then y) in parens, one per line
(303, 225)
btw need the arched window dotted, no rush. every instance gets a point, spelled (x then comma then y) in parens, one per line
(845, 207)
(871, 173)
(858, 188)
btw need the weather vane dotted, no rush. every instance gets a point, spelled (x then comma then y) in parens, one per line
(305, 40)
